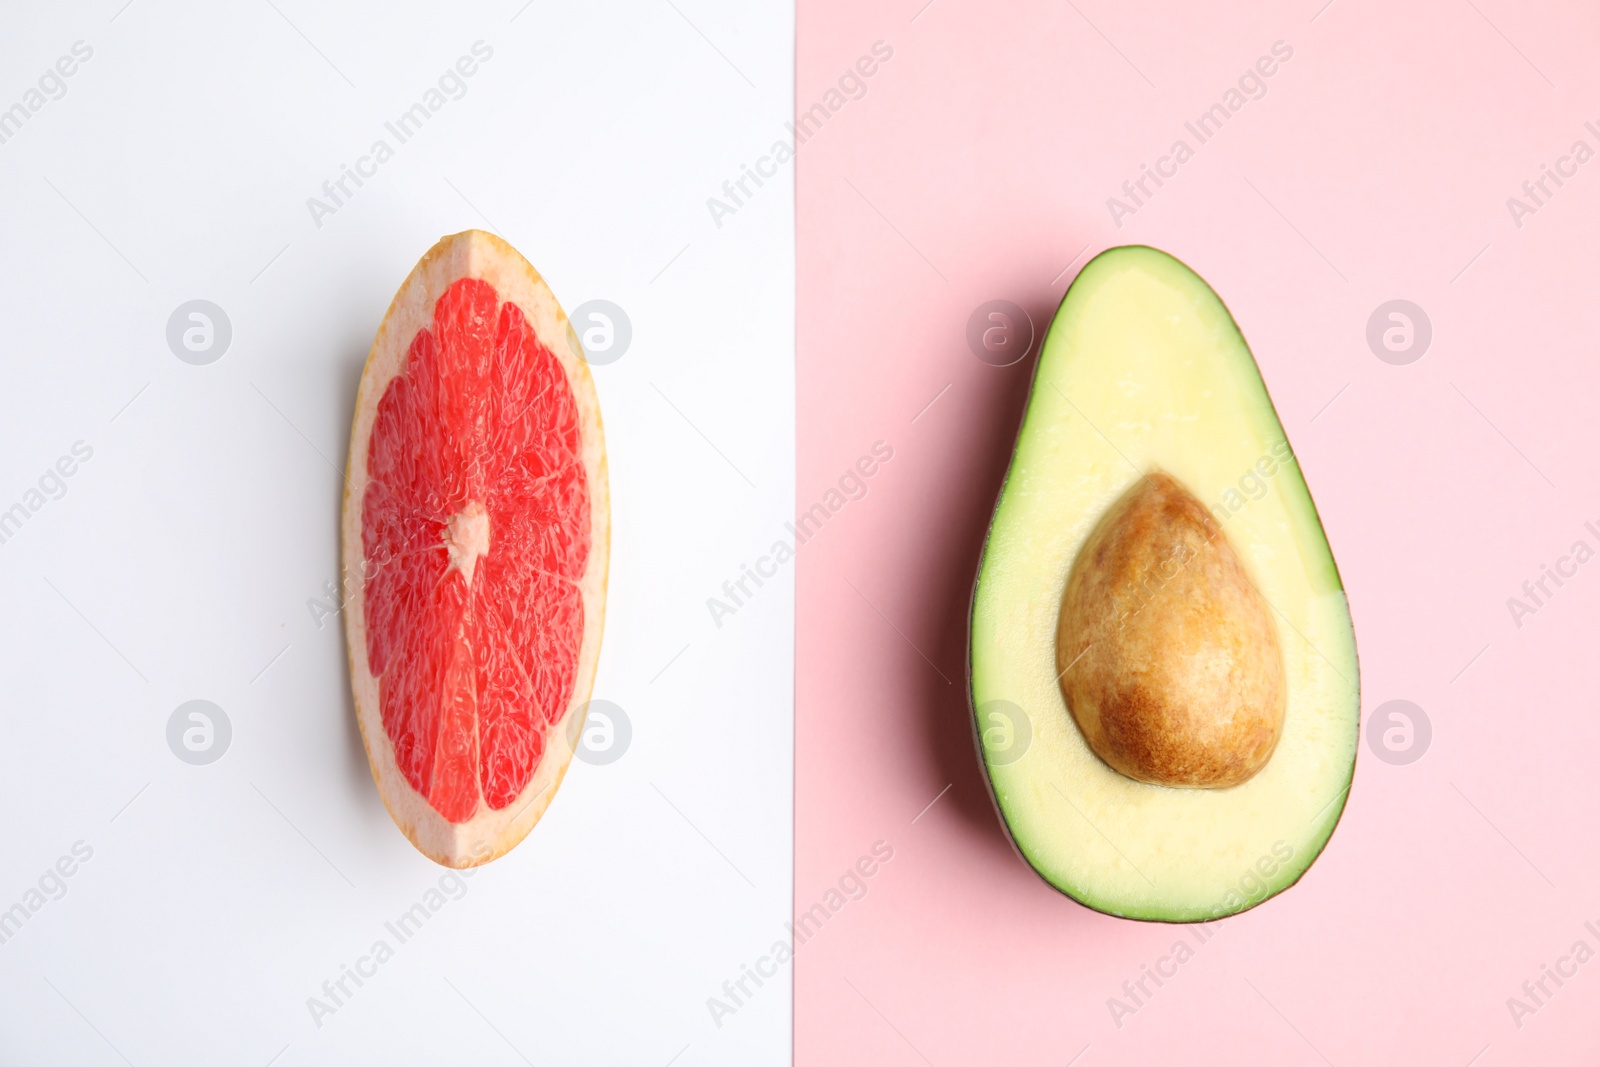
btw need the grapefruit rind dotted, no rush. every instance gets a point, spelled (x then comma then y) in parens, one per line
(489, 833)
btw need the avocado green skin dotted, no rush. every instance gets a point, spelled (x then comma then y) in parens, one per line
(972, 704)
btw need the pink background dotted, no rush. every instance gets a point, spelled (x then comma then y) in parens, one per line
(976, 167)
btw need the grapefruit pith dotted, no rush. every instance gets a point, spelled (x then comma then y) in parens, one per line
(475, 541)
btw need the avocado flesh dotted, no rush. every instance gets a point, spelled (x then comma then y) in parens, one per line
(1144, 370)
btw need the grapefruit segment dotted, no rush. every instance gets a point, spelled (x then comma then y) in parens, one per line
(475, 531)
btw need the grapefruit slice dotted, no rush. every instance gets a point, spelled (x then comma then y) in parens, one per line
(475, 541)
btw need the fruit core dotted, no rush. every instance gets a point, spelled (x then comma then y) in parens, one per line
(466, 538)
(1168, 653)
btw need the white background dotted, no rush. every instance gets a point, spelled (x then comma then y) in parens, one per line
(179, 563)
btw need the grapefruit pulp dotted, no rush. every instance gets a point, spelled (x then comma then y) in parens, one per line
(475, 542)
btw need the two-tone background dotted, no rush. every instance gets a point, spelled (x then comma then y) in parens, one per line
(788, 218)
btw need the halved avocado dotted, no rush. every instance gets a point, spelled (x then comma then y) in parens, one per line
(1156, 560)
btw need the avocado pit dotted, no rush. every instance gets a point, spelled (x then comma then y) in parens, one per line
(1168, 655)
